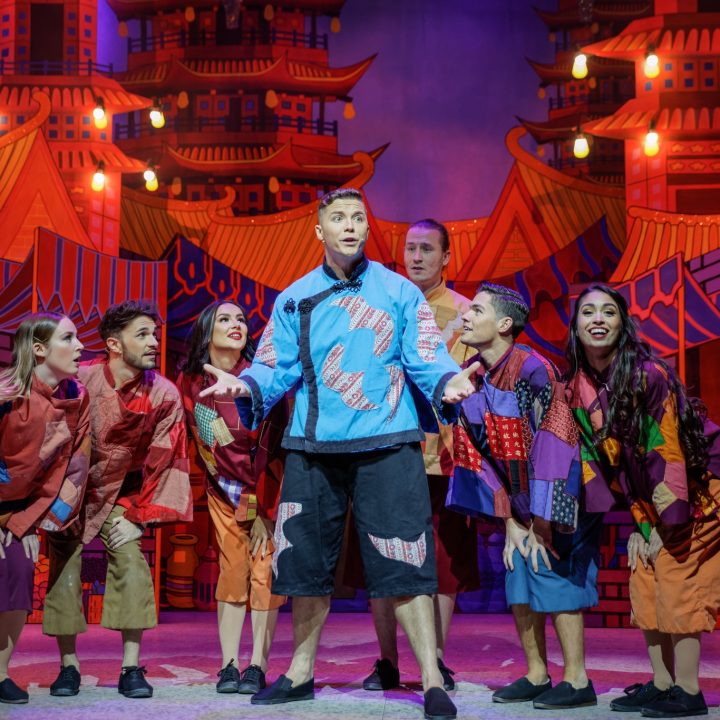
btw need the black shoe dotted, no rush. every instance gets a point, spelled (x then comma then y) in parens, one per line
(383, 677)
(447, 673)
(636, 696)
(67, 682)
(132, 683)
(229, 679)
(564, 696)
(252, 680)
(521, 690)
(10, 693)
(438, 706)
(282, 691)
(677, 703)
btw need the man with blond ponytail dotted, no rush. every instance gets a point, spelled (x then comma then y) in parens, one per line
(44, 456)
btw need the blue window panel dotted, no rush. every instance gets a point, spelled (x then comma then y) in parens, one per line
(70, 49)
(103, 136)
(21, 50)
(22, 15)
(72, 16)
(53, 119)
(286, 195)
(668, 66)
(221, 104)
(301, 107)
(6, 18)
(87, 33)
(204, 105)
(71, 31)
(88, 18)
(69, 118)
(5, 52)
(709, 82)
(689, 82)
(70, 134)
(22, 30)
(85, 134)
(648, 85)
(86, 52)
(195, 195)
(285, 105)
(252, 196)
(688, 66)
(3, 119)
(20, 119)
(708, 66)
(249, 104)
(214, 195)
(86, 119)
(305, 197)
(52, 134)
(668, 83)
(6, 32)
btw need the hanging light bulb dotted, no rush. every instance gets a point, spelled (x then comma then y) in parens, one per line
(271, 99)
(581, 146)
(273, 185)
(580, 68)
(157, 118)
(190, 14)
(335, 25)
(651, 144)
(268, 12)
(183, 99)
(651, 66)
(349, 109)
(98, 179)
(99, 114)
(151, 185)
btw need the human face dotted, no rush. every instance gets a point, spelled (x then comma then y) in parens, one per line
(230, 329)
(481, 325)
(598, 324)
(61, 355)
(425, 259)
(343, 229)
(137, 343)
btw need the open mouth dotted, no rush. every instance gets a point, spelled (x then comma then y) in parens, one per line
(235, 336)
(598, 332)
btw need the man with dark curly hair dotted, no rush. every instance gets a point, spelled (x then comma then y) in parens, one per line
(138, 477)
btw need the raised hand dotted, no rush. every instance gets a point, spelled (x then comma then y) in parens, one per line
(226, 385)
(459, 386)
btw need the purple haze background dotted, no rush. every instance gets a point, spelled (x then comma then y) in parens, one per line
(448, 80)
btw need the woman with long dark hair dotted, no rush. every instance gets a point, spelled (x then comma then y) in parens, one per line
(244, 471)
(44, 455)
(646, 444)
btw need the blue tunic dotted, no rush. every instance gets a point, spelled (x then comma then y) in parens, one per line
(348, 348)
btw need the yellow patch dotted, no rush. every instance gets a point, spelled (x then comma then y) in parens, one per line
(663, 497)
(221, 432)
(671, 450)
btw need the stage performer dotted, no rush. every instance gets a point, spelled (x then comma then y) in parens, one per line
(138, 477)
(244, 471)
(426, 255)
(345, 337)
(648, 445)
(44, 457)
(517, 458)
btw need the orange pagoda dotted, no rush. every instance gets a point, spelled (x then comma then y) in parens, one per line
(243, 86)
(606, 85)
(50, 48)
(671, 128)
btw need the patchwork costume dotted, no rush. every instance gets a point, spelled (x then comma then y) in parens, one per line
(244, 472)
(681, 593)
(138, 470)
(517, 455)
(348, 349)
(44, 458)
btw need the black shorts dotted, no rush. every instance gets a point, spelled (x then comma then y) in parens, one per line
(389, 494)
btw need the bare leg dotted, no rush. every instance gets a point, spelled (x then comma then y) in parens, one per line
(309, 615)
(444, 606)
(415, 615)
(660, 650)
(263, 630)
(531, 631)
(230, 623)
(131, 647)
(570, 627)
(687, 662)
(67, 645)
(11, 624)
(383, 612)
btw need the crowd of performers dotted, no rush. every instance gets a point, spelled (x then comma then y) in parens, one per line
(402, 399)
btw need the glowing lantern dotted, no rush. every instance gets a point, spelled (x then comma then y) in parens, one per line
(151, 185)
(349, 110)
(183, 100)
(157, 118)
(651, 144)
(581, 146)
(651, 66)
(99, 115)
(335, 25)
(580, 68)
(541, 93)
(271, 99)
(190, 14)
(268, 12)
(176, 186)
(123, 29)
(273, 185)
(98, 179)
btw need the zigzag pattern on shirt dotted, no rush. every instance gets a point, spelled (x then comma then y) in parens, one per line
(397, 383)
(364, 316)
(266, 350)
(429, 336)
(412, 553)
(348, 384)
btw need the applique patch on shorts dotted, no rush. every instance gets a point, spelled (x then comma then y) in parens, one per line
(411, 552)
(285, 511)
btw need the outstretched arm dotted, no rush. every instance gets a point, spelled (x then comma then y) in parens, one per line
(226, 384)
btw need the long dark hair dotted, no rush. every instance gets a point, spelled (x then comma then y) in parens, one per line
(626, 402)
(201, 334)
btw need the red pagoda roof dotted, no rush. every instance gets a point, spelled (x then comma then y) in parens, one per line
(288, 160)
(69, 92)
(73, 156)
(685, 35)
(633, 120)
(560, 128)
(601, 12)
(128, 9)
(562, 71)
(280, 74)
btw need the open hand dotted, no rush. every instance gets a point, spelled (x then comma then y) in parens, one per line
(540, 542)
(226, 385)
(123, 531)
(459, 386)
(515, 536)
(637, 548)
(260, 534)
(31, 546)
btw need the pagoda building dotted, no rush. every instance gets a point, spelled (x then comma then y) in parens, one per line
(671, 129)
(244, 86)
(51, 48)
(572, 101)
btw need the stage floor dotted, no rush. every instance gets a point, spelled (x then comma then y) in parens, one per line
(182, 658)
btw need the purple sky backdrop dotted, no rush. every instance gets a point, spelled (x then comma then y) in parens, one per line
(449, 78)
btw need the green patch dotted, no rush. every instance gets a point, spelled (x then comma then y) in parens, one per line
(650, 434)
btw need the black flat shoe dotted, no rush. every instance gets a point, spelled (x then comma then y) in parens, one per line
(636, 696)
(10, 693)
(282, 691)
(438, 706)
(229, 681)
(252, 680)
(132, 682)
(447, 675)
(522, 690)
(383, 677)
(676, 703)
(564, 697)
(67, 682)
